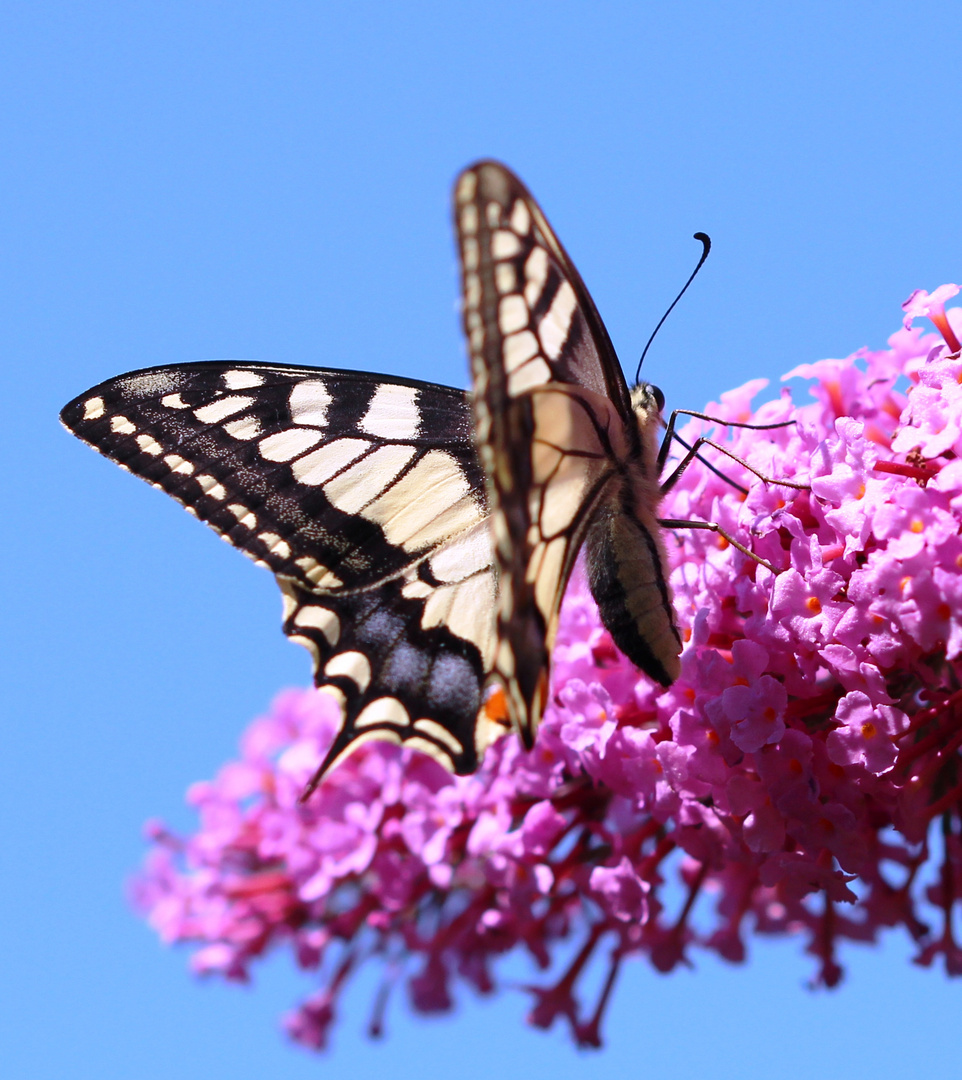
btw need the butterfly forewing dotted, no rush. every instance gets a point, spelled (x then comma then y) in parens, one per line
(552, 413)
(363, 494)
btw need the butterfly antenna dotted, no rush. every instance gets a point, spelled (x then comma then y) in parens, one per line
(706, 244)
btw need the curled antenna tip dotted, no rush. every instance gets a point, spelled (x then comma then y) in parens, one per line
(706, 247)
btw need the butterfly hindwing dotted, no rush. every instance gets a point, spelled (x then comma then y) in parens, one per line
(363, 494)
(406, 659)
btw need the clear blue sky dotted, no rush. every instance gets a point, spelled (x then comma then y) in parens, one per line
(191, 180)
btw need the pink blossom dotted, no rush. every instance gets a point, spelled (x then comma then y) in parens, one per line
(785, 784)
(867, 733)
(922, 304)
(623, 891)
(932, 305)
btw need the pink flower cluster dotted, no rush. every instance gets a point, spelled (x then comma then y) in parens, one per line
(786, 784)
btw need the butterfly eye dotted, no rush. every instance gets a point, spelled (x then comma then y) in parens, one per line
(659, 398)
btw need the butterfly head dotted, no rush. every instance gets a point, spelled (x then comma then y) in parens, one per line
(648, 403)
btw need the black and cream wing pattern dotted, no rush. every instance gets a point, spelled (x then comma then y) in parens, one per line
(569, 453)
(364, 496)
(423, 537)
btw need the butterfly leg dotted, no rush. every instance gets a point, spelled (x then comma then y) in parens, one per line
(710, 526)
(673, 479)
(671, 434)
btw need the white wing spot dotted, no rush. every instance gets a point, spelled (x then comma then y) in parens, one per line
(386, 710)
(122, 425)
(244, 516)
(290, 443)
(149, 445)
(275, 544)
(242, 380)
(504, 244)
(536, 274)
(548, 575)
(320, 465)
(308, 403)
(440, 756)
(519, 349)
(469, 219)
(467, 186)
(248, 427)
(174, 401)
(512, 314)
(499, 527)
(289, 600)
(417, 590)
(520, 218)
(364, 482)
(393, 413)
(534, 373)
(322, 619)
(223, 407)
(505, 662)
(425, 506)
(468, 554)
(178, 465)
(212, 489)
(556, 325)
(469, 253)
(472, 289)
(561, 499)
(437, 731)
(317, 574)
(354, 665)
(93, 408)
(467, 610)
(505, 278)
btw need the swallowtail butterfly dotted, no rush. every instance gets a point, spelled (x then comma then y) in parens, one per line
(422, 537)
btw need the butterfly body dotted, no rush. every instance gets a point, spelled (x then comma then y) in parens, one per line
(422, 538)
(626, 557)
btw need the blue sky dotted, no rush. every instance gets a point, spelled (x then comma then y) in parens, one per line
(185, 181)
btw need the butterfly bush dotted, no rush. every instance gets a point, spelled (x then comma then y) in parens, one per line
(802, 777)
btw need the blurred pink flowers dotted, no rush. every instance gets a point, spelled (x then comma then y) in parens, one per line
(786, 784)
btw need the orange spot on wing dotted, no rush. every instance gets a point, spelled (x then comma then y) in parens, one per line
(496, 706)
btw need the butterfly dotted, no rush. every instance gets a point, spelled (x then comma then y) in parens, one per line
(422, 537)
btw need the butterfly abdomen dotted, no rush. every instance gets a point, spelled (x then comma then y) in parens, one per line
(627, 579)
